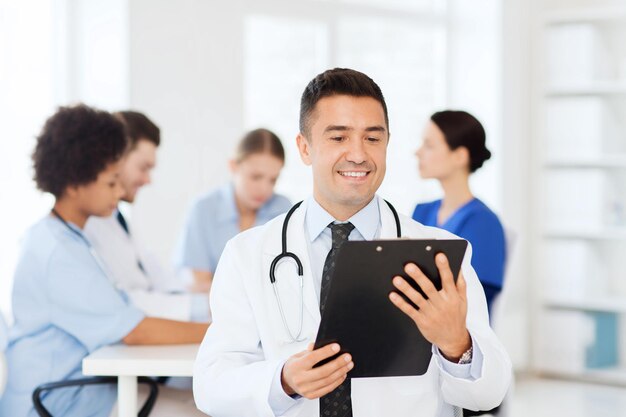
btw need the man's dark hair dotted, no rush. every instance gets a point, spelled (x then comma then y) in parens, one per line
(139, 127)
(337, 81)
(75, 145)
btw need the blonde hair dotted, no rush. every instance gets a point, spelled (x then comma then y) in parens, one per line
(259, 141)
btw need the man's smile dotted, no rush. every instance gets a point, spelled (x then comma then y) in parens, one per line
(354, 174)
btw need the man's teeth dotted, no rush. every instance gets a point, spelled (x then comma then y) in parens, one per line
(353, 174)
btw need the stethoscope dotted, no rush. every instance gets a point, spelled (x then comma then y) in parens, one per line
(92, 251)
(285, 255)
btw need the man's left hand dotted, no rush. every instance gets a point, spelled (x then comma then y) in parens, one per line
(442, 317)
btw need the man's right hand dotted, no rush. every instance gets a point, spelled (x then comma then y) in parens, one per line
(299, 377)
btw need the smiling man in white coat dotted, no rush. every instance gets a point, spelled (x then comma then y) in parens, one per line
(257, 357)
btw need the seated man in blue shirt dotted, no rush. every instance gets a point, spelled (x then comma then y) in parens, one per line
(64, 305)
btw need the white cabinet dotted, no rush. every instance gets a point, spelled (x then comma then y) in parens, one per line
(580, 215)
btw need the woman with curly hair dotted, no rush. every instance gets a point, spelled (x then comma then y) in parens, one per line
(63, 303)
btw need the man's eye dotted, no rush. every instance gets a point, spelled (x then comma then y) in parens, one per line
(337, 138)
(373, 139)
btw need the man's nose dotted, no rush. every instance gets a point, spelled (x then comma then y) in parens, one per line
(356, 151)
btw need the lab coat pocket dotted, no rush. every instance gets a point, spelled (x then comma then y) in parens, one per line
(396, 396)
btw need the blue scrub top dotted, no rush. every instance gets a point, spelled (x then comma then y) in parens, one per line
(65, 307)
(212, 221)
(476, 223)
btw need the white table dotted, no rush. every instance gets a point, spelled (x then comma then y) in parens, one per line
(129, 362)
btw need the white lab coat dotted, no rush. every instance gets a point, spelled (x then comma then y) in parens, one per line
(247, 341)
(4, 341)
(156, 291)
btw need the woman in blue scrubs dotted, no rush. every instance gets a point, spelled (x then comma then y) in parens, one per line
(453, 148)
(64, 305)
(249, 200)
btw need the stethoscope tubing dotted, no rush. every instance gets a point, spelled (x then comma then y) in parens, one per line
(290, 255)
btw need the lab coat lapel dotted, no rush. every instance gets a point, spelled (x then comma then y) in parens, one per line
(388, 228)
(410, 228)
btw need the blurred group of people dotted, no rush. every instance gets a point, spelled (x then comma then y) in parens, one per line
(84, 281)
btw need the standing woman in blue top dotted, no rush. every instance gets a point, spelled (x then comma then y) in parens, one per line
(453, 148)
(249, 200)
(64, 305)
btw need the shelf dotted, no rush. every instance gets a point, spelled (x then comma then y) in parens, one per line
(617, 161)
(615, 233)
(612, 376)
(605, 88)
(597, 91)
(596, 304)
(584, 15)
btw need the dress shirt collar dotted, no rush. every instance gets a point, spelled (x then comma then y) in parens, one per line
(229, 211)
(366, 221)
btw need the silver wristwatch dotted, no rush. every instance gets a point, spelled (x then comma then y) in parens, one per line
(466, 357)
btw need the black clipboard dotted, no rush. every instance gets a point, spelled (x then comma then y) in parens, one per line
(382, 340)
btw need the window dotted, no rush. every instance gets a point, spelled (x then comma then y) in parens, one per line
(402, 49)
(27, 68)
(36, 76)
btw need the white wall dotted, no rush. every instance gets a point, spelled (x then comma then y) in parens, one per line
(474, 82)
(186, 74)
(96, 69)
(514, 325)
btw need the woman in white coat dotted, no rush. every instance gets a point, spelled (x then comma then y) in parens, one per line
(249, 363)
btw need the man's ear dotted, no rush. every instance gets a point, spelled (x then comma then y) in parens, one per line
(232, 166)
(304, 147)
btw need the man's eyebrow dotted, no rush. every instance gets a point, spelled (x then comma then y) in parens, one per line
(375, 129)
(340, 128)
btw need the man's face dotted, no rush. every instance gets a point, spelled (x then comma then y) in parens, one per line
(347, 150)
(136, 168)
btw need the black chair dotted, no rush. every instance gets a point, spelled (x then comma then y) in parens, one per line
(492, 412)
(43, 412)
